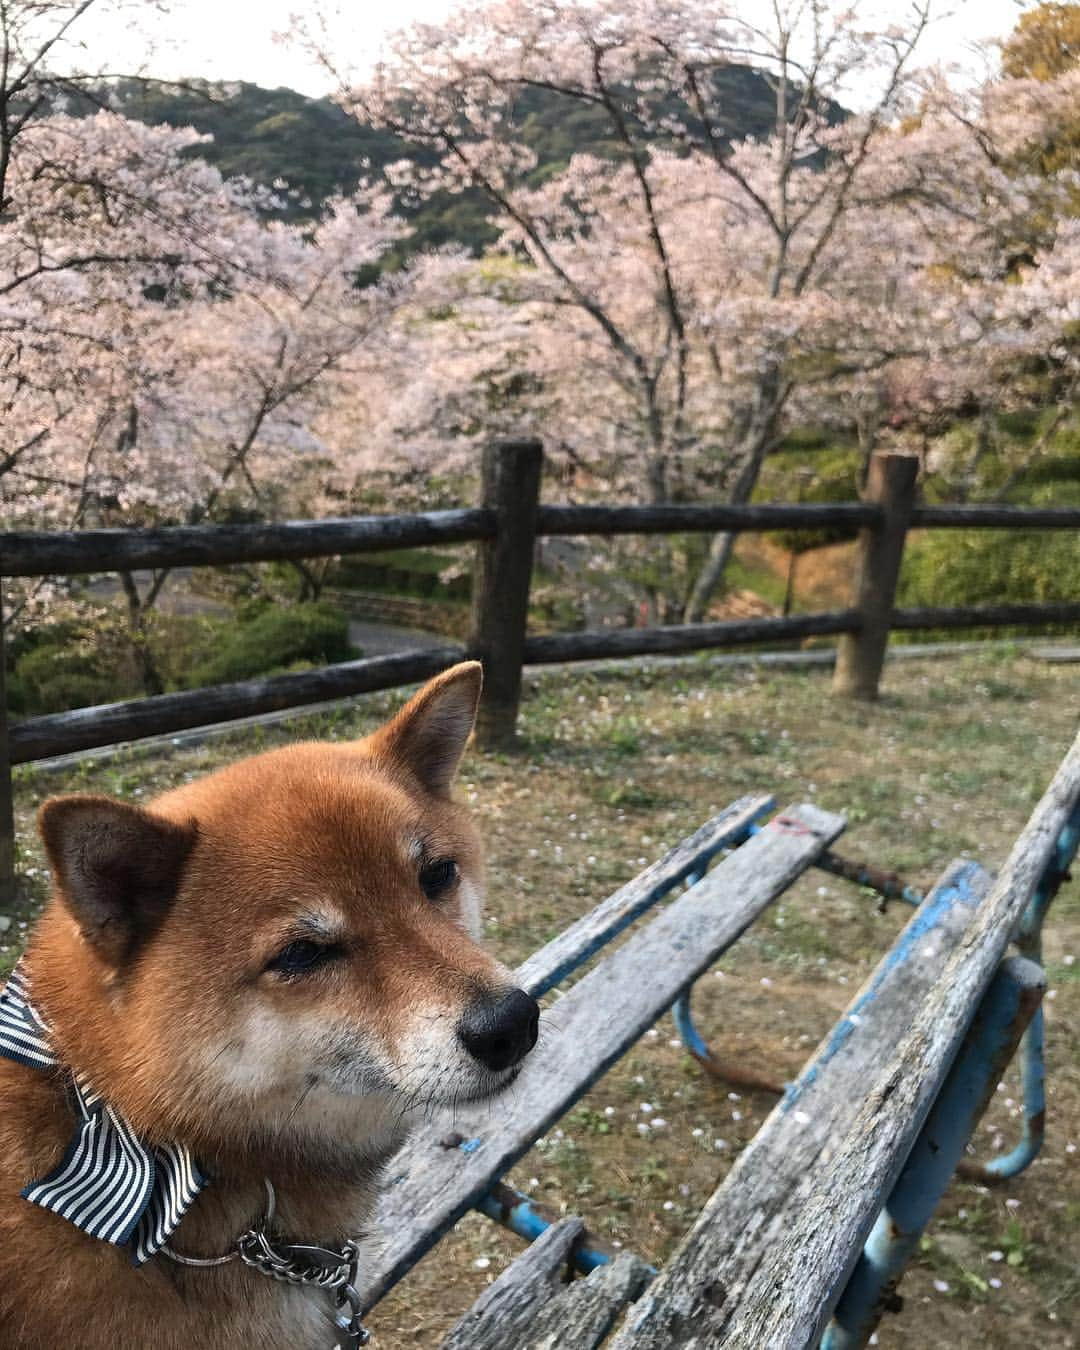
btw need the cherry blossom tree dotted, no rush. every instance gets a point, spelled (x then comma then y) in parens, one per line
(649, 69)
(163, 348)
(693, 296)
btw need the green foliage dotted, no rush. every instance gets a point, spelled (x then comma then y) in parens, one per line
(73, 664)
(68, 665)
(810, 466)
(273, 639)
(273, 134)
(1031, 458)
(265, 135)
(420, 572)
(1015, 1244)
(967, 567)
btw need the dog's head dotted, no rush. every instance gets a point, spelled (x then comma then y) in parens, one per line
(287, 947)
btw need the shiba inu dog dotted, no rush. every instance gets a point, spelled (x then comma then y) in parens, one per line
(239, 1000)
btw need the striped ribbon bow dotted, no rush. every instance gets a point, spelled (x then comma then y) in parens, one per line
(108, 1183)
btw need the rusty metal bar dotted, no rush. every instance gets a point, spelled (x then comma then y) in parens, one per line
(888, 885)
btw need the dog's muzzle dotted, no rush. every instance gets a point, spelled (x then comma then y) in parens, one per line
(500, 1032)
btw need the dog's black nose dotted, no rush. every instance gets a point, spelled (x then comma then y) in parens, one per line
(501, 1032)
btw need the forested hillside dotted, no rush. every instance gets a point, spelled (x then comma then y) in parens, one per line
(270, 135)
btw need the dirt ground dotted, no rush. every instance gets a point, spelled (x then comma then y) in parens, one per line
(615, 767)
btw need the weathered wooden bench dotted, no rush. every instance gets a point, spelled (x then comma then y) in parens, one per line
(807, 1237)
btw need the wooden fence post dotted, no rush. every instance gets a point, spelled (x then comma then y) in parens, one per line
(860, 656)
(7, 806)
(511, 488)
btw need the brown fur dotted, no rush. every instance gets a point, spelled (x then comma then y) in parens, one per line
(150, 965)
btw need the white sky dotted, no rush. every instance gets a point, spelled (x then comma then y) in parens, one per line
(234, 39)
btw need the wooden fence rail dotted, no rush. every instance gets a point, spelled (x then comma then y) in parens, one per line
(33, 553)
(37, 553)
(504, 526)
(163, 714)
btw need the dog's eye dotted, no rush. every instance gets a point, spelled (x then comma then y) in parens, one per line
(436, 878)
(301, 956)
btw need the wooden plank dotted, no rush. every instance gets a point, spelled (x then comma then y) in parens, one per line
(999, 517)
(531, 1307)
(546, 967)
(501, 585)
(501, 1315)
(689, 637)
(36, 553)
(582, 1314)
(769, 1185)
(587, 1030)
(789, 1303)
(861, 655)
(987, 616)
(71, 552)
(107, 723)
(680, 519)
(1001, 1019)
(771, 1253)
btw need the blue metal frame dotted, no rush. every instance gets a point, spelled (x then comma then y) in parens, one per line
(1032, 1048)
(929, 915)
(680, 1011)
(1005, 1010)
(1009, 1010)
(523, 1218)
(684, 1025)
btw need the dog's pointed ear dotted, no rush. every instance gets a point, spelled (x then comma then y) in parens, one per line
(428, 735)
(117, 867)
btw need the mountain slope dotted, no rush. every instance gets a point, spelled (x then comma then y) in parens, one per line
(273, 134)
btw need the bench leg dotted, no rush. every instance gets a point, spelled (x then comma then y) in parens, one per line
(695, 1043)
(1005, 1011)
(725, 1070)
(1033, 1072)
(1032, 1061)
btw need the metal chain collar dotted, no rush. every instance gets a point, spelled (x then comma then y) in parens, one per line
(335, 1271)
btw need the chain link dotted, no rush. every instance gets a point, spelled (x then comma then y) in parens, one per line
(314, 1267)
(334, 1271)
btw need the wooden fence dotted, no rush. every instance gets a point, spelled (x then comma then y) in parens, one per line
(504, 527)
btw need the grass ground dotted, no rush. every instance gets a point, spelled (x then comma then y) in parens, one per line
(616, 766)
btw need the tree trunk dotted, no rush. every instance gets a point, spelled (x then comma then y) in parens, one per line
(759, 438)
(867, 423)
(311, 582)
(720, 548)
(149, 674)
(789, 589)
(985, 444)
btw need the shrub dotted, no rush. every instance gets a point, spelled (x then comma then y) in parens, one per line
(69, 665)
(830, 474)
(971, 567)
(272, 639)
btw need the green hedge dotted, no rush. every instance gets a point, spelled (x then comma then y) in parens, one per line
(972, 567)
(273, 639)
(73, 664)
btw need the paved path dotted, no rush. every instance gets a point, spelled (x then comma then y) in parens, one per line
(379, 639)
